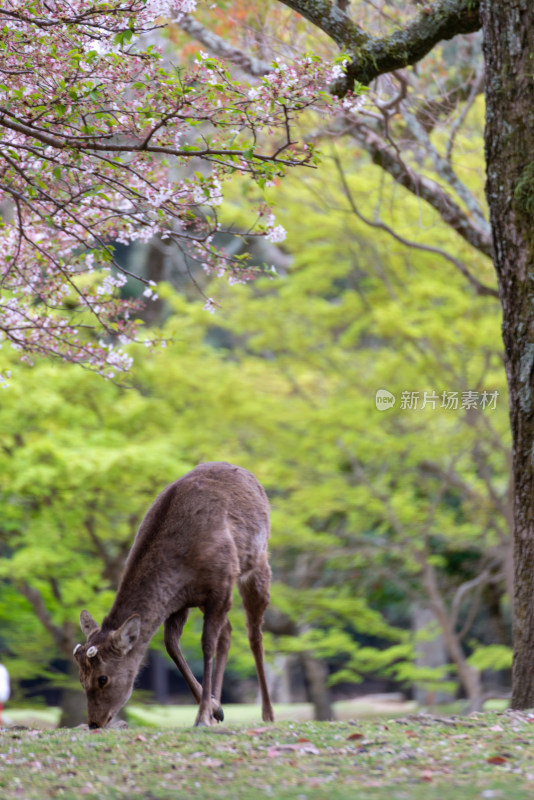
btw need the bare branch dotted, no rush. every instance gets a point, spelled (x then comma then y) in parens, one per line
(219, 47)
(469, 676)
(36, 599)
(444, 170)
(476, 89)
(463, 590)
(383, 156)
(480, 288)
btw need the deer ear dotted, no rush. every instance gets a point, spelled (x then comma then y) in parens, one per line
(126, 636)
(88, 624)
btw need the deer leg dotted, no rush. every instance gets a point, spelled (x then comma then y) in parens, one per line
(254, 590)
(173, 629)
(215, 620)
(221, 657)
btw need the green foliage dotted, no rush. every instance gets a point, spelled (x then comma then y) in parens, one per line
(361, 498)
(493, 656)
(367, 497)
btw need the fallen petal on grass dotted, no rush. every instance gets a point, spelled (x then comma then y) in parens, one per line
(421, 758)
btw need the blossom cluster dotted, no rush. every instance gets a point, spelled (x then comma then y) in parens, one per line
(98, 143)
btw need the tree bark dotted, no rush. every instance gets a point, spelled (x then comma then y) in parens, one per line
(371, 56)
(509, 51)
(429, 653)
(73, 702)
(159, 677)
(318, 692)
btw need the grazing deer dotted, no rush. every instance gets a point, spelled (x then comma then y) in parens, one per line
(203, 533)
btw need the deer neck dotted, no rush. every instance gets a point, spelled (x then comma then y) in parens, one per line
(141, 595)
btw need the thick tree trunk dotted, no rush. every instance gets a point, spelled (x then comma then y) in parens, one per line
(318, 691)
(159, 677)
(73, 702)
(429, 653)
(509, 53)
(279, 679)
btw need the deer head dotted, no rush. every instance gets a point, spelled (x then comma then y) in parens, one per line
(108, 663)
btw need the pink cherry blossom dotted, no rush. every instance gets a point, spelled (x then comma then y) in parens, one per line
(97, 141)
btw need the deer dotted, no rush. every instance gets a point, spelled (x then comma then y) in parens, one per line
(203, 534)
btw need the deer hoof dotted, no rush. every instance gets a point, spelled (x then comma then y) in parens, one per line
(216, 710)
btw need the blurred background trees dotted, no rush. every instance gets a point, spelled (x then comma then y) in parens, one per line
(377, 515)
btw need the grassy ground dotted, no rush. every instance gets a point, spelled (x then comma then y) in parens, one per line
(173, 716)
(410, 758)
(183, 716)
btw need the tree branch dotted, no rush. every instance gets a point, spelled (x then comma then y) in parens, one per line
(333, 21)
(444, 169)
(476, 89)
(460, 594)
(382, 155)
(480, 288)
(219, 47)
(469, 676)
(94, 144)
(372, 56)
(59, 636)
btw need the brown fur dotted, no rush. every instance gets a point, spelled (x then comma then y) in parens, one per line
(202, 534)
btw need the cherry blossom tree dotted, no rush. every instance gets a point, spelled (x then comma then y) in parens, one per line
(96, 132)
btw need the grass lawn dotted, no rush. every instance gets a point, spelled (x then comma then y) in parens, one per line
(173, 716)
(487, 756)
(183, 716)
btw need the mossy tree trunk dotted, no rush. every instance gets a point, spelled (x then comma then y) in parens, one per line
(509, 53)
